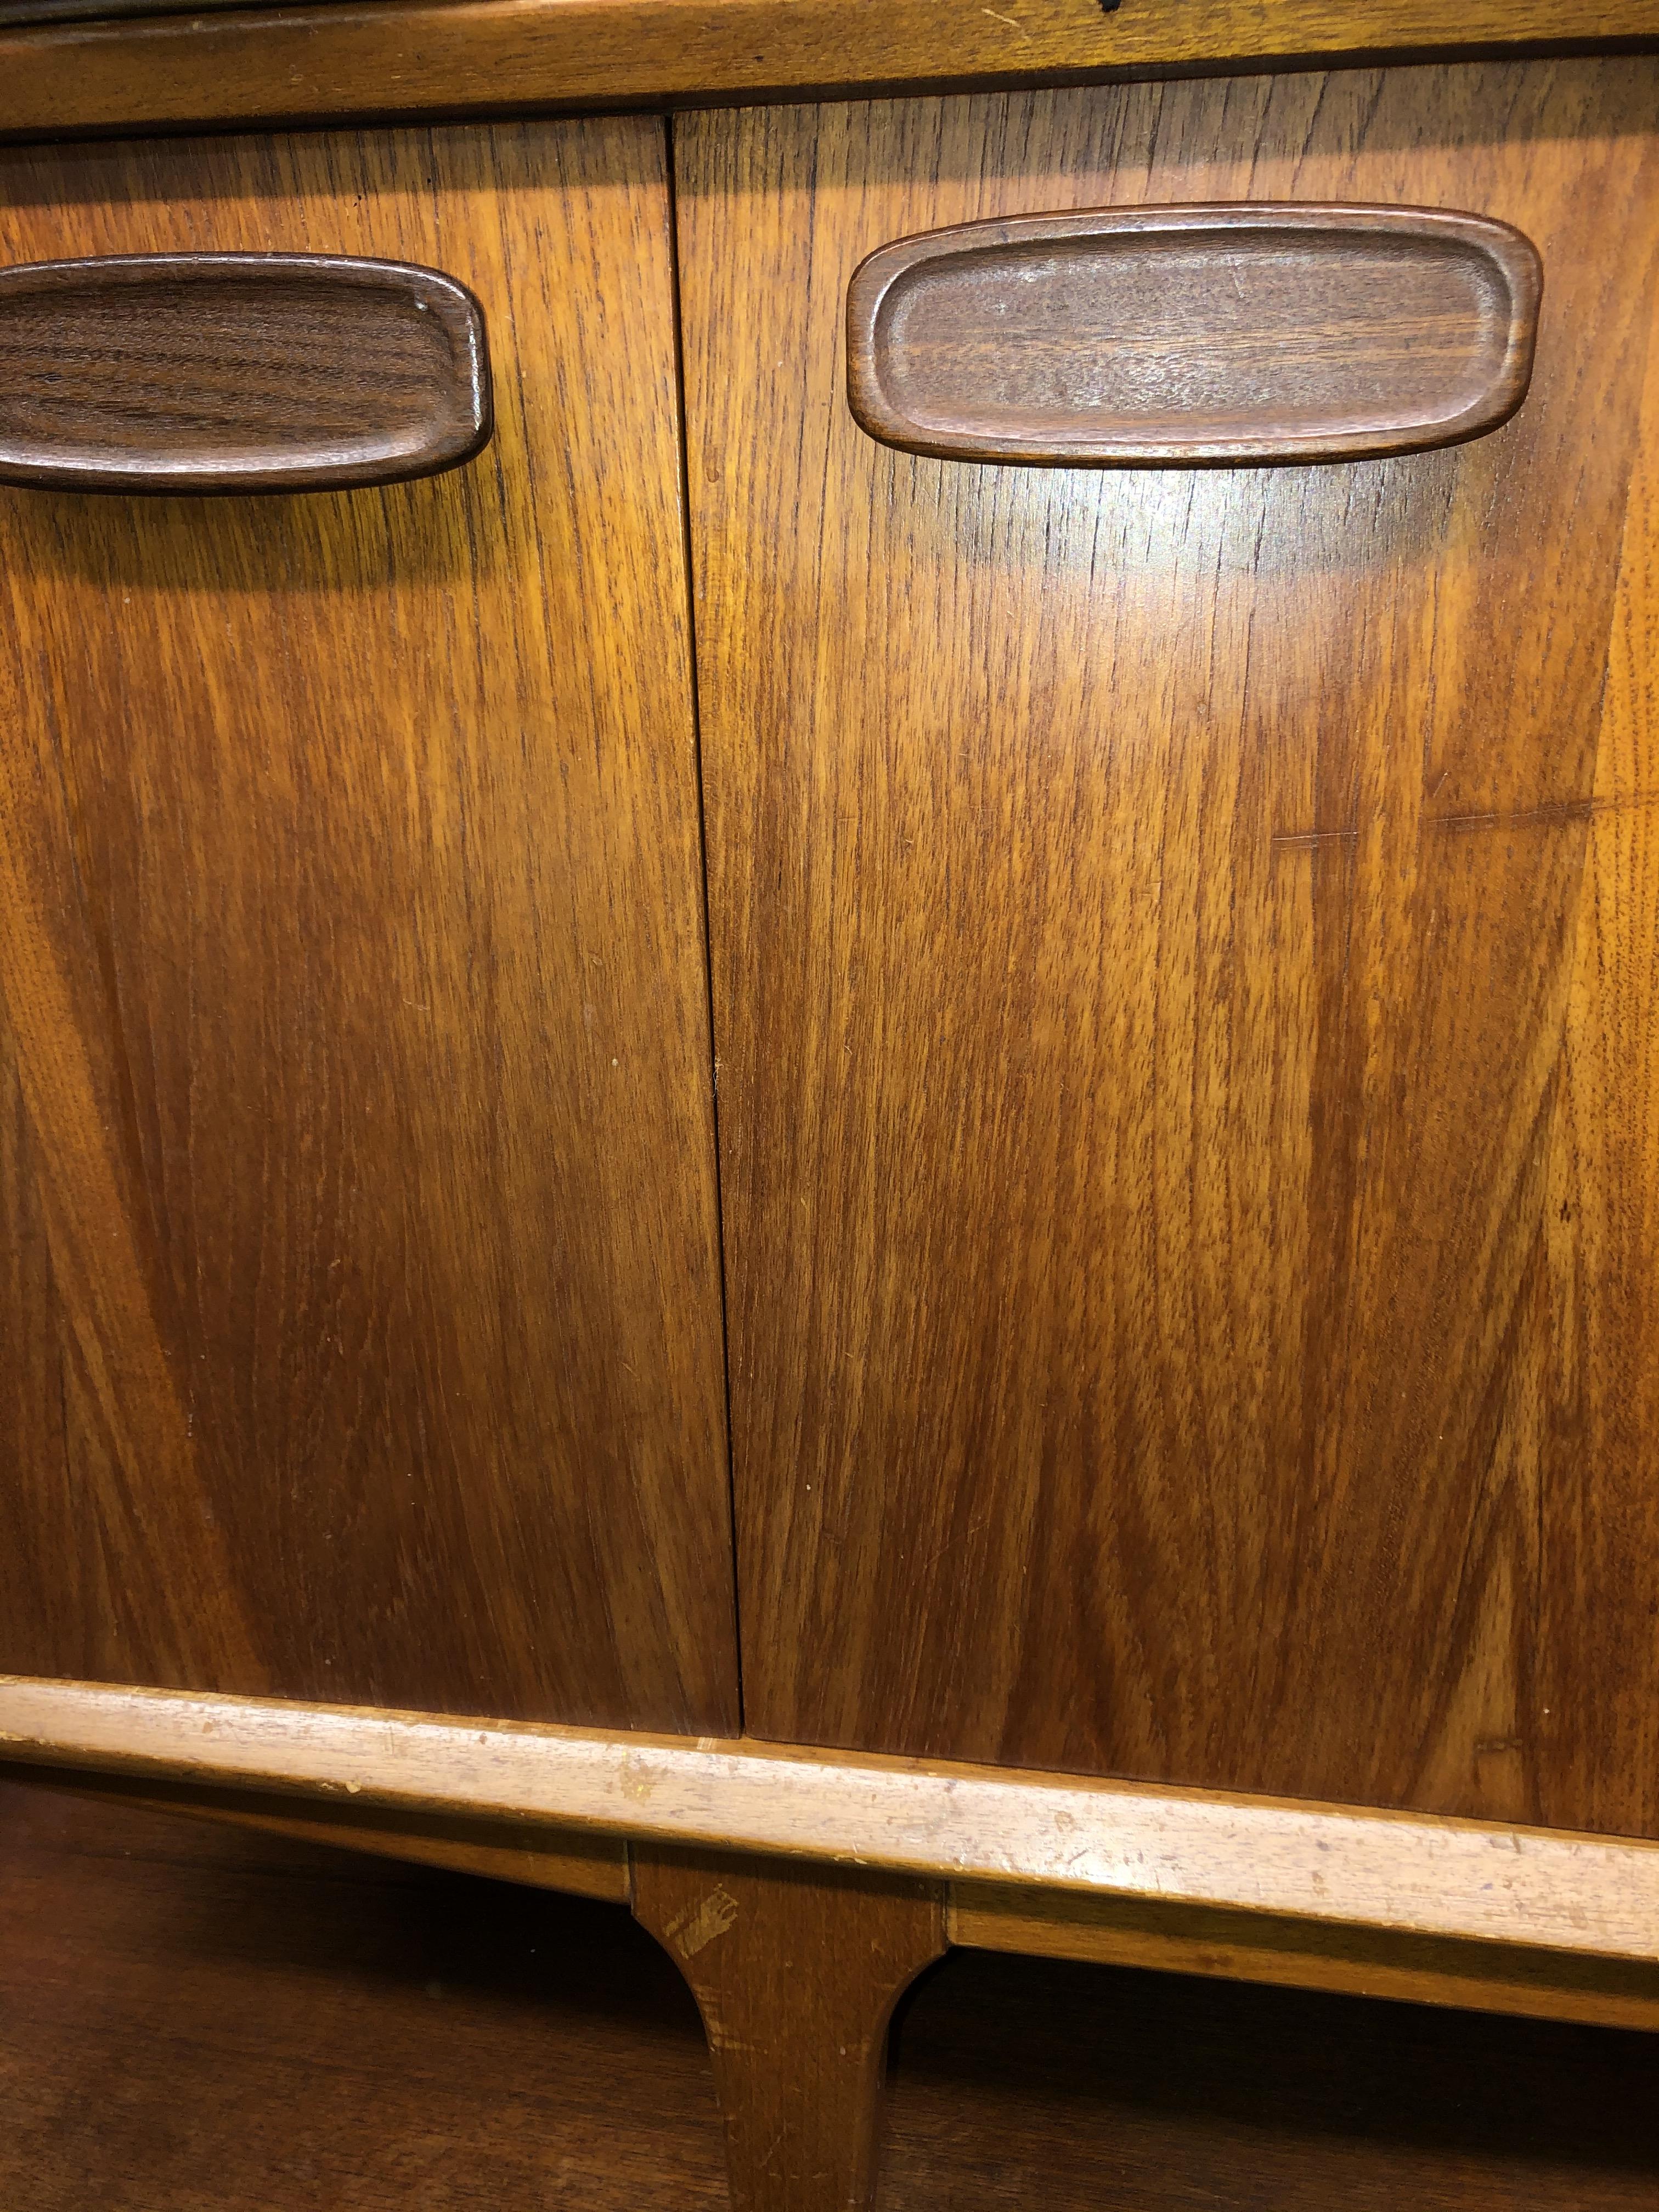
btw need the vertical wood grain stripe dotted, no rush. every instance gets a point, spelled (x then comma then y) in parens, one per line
(145, 1486)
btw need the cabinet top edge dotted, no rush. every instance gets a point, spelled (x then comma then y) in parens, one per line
(227, 66)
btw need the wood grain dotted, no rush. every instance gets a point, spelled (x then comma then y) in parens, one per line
(359, 1321)
(1600, 1525)
(1142, 908)
(1163, 337)
(237, 372)
(796, 1971)
(386, 57)
(1481, 1882)
(201, 2022)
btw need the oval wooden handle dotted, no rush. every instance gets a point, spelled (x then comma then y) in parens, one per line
(1171, 336)
(237, 373)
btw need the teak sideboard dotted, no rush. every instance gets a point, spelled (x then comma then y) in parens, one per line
(829, 979)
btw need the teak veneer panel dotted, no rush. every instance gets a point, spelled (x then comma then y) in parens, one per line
(1601, 1458)
(445, 57)
(359, 1320)
(1154, 1062)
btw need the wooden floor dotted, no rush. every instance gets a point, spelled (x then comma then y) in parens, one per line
(193, 2019)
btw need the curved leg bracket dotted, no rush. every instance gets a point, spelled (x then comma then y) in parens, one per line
(796, 1970)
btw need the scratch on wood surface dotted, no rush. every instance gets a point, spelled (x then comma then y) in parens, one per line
(690, 1931)
(1554, 814)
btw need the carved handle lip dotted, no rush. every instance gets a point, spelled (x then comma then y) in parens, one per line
(454, 307)
(1506, 249)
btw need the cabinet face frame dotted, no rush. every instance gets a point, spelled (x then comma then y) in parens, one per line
(1187, 1148)
(361, 1329)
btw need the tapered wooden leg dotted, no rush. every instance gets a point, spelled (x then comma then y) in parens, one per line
(796, 1970)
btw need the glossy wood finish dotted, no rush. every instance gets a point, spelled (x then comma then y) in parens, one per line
(359, 1321)
(1170, 336)
(237, 372)
(1602, 1215)
(1164, 1338)
(1471, 1882)
(386, 58)
(796, 1971)
(191, 2019)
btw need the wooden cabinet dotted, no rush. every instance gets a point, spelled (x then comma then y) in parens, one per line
(1178, 947)
(360, 1333)
(1101, 1018)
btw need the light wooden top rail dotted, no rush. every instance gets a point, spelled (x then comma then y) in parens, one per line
(384, 59)
(1464, 1879)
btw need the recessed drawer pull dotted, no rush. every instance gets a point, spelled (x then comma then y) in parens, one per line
(237, 373)
(1170, 336)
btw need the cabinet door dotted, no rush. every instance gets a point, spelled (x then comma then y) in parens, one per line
(360, 1334)
(1183, 966)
